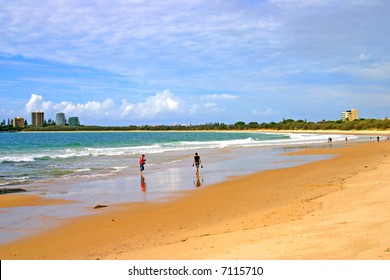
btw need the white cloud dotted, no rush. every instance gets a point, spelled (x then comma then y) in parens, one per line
(222, 96)
(164, 102)
(91, 108)
(34, 104)
(153, 107)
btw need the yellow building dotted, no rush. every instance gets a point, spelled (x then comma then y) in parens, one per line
(349, 115)
(18, 122)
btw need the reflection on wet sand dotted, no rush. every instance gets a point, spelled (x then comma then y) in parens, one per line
(198, 181)
(143, 184)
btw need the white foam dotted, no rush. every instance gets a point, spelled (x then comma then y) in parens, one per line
(83, 170)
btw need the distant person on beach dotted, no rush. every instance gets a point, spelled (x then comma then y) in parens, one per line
(142, 161)
(197, 162)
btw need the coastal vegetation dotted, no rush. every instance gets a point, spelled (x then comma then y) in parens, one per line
(9, 128)
(285, 124)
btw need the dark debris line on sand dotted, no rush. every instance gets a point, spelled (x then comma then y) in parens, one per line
(14, 190)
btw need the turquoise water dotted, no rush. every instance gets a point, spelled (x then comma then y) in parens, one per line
(31, 157)
(35, 157)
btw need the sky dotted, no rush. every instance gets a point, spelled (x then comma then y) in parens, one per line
(136, 62)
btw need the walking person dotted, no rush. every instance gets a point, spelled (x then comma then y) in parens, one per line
(197, 162)
(142, 161)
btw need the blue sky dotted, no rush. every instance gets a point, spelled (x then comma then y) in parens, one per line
(124, 62)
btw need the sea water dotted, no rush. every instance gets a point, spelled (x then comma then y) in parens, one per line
(32, 157)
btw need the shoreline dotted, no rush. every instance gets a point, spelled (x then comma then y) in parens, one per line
(339, 132)
(202, 225)
(319, 131)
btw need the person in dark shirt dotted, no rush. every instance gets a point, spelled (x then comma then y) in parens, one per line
(197, 162)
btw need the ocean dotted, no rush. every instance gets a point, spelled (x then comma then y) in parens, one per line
(33, 157)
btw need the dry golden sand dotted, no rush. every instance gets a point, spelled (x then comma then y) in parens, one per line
(331, 209)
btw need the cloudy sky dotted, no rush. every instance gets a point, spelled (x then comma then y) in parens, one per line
(122, 62)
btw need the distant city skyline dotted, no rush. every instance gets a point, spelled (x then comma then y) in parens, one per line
(194, 62)
(38, 119)
(60, 119)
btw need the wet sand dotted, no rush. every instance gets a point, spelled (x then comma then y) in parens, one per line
(330, 209)
(17, 200)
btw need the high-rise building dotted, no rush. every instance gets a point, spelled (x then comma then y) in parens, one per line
(18, 122)
(60, 119)
(73, 121)
(349, 115)
(37, 118)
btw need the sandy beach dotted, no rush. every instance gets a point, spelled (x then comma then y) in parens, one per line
(331, 209)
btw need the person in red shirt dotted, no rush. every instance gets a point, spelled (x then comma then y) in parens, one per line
(142, 161)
